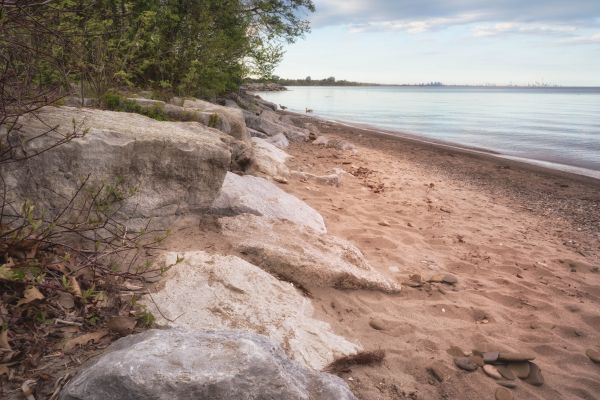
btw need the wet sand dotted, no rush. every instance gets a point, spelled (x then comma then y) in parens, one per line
(523, 242)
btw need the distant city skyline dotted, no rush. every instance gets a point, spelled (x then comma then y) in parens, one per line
(472, 42)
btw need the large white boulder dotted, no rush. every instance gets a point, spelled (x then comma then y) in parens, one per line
(225, 292)
(272, 127)
(230, 120)
(301, 255)
(258, 196)
(214, 365)
(167, 168)
(268, 159)
(279, 141)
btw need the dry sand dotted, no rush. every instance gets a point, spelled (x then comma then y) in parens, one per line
(523, 242)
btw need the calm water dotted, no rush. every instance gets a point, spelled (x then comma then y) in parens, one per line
(555, 126)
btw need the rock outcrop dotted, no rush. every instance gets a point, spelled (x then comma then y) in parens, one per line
(216, 365)
(279, 141)
(268, 123)
(258, 196)
(225, 292)
(269, 160)
(174, 167)
(302, 255)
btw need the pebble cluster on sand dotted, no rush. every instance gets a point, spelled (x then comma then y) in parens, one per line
(503, 367)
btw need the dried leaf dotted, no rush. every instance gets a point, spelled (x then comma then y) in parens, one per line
(75, 288)
(66, 300)
(83, 340)
(31, 294)
(4, 370)
(121, 325)
(4, 345)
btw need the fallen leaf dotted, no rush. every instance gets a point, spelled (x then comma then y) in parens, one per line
(31, 294)
(4, 341)
(75, 288)
(66, 300)
(82, 340)
(122, 325)
(3, 370)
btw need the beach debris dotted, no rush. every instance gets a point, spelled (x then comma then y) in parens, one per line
(535, 377)
(344, 364)
(491, 371)
(503, 394)
(465, 363)
(594, 355)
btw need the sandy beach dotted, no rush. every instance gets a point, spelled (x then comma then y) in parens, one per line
(522, 241)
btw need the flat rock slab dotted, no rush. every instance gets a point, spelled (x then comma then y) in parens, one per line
(515, 357)
(225, 292)
(216, 365)
(258, 196)
(521, 369)
(506, 372)
(302, 255)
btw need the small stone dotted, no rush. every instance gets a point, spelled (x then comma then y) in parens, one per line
(515, 357)
(384, 223)
(477, 360)
(377, 324)
(594, 355)
(450, 279)
(508, 384)
(490, 356)
(521, 370)
(535, 377)
(465, 363)
(491, 371)
(455, 351)
(280, 179)
(503, 394)
(520, 276)
(437, 278)
(506, 372)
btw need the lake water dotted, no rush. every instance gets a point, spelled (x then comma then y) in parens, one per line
(558, 127)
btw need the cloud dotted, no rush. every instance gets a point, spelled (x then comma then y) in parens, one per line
(583, 39)
(421, 15)
(522, 28)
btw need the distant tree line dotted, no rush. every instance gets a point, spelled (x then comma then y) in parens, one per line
(308, 81)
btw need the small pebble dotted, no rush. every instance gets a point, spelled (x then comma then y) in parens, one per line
(465, 363)
(535, 377)
(594, 355)
(490, 356)
(506, 372)
(377, 324)
(521, 370)
(503, 394)
(491, 371)
(508, 384)
(450, 279)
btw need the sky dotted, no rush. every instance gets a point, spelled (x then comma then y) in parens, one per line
(501, 42)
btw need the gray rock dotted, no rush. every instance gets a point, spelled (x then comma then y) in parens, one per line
(258, 196)
(302, 255)
(258, 134)
(269, 160)
(465, 363)
(271, 128)
(176, 364)
(175, 167)
(225, 292)
(229, 120)
(279, 141)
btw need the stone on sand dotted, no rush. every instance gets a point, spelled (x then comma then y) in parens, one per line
(377, 324)
(594, 355)
(254, 195)
(506, 372)
(217, 365)
(492, 371)
(535, 377)
(503, 394)
(490, 356)
(520, 369)
(515, 357)
(225, 292)
(508, 384)
(302, 255)
(268, 159)
(465, 363)
(450, 279)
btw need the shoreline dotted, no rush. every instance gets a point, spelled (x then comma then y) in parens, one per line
(536, 165)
